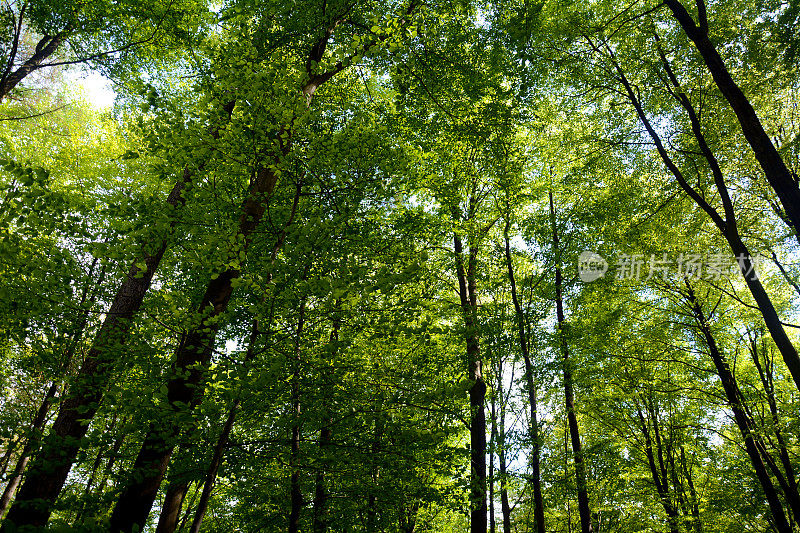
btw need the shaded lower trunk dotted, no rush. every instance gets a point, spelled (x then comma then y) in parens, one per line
(295, 493)
(185, 388)
(171, 508)
(477, 392)
(320, 524)
(30, 444)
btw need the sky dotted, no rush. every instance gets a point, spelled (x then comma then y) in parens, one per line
(99, 90)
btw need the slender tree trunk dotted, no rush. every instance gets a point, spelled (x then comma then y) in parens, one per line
(734, 397)
(98, 460)
(39, 420)
(320, 491)
(504, 503)
(697, 524)
(533, 429)
(213, 469)
(320, 521)
(569, 394)
(492, 447)
(50, 467)
(778, 175)
(477, 393)
(222, 440)
(662, 487)
(30, 444)
(194, 353)
(789, 481)
(295, 494)
(727, 225)
(9, 452)
(375, 449)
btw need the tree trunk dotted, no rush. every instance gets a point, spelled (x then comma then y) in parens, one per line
(727, 225)
(194, 352)
(789, 486)
(658, 475)
(778, 175)
(743, 422)
(45, 48)
(171, 509)
(222, 441)
(50, 467)
(569, 394)
(30, 444)
(295, 494)
(533, 429)
(477, 392)
(492, 447)
(320, 521)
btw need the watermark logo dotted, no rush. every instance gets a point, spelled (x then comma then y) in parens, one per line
(591, 266)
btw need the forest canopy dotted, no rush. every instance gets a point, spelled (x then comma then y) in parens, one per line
(404, 266)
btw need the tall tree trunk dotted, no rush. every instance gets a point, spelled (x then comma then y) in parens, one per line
(492, 447)
(88, 296)
(697, 523)
(30, 444)
(375, 449)
(467, 289)
(734, 398)
(533, 428)
(49, 469)
(727, 225)
(569, 394)
(504, 503)
(320, 520)
(295, 494)
(658, 475)
(778, 175)
(787, 480)
(194, 352)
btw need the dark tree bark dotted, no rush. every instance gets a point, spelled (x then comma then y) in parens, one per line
(88, 296)
(533, 428)
(46, 47)
(778, 175)
(320, 519)
(697, 523)
(734, 398)
(173, 501)
(467, 289)
(295, 493)
(193, 354)
(569, 394)
(49, 469)
(787, 478)
(658, 472)
(30, 444)
(492, 448)
(726, 224)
